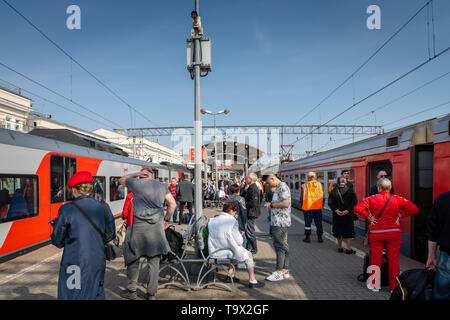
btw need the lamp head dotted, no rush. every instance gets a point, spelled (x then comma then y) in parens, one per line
(225, 111)
(204, 111)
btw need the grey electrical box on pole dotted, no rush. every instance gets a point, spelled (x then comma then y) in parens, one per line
(205, 54)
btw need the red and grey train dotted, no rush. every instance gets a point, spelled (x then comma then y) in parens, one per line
(34, 171)
(416, 157)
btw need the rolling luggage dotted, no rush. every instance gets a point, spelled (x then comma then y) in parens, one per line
(384, 281)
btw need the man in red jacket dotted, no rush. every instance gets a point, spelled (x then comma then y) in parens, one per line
(386, 229)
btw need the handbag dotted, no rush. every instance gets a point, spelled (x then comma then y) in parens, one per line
(110, 250)
(120, 235)
(366, 237)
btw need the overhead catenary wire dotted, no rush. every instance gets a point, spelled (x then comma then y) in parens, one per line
(376, 92)
(401, 97)
(59, 94)
(417, 113)
(78, 63)
(365, 62)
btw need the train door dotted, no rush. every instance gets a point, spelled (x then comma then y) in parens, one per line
(422, 157)
(374, 167)
(61, 169)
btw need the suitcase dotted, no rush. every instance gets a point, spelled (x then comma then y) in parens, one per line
(384, 281)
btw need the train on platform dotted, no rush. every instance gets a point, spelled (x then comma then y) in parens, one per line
(416, 159)
(34, 171)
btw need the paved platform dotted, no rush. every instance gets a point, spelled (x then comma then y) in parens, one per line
(318, 272)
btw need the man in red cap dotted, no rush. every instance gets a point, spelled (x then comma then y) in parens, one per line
(82, 228)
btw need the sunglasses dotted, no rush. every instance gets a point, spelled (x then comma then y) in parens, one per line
(384, 176)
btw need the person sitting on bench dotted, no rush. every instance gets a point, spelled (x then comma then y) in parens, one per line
(223, 233)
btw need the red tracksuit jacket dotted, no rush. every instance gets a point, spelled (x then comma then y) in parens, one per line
(389, 221)
(127, 212)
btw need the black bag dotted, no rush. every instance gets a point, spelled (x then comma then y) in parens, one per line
(175, 240)
(384, 276)
(414, 284)
(111, 251)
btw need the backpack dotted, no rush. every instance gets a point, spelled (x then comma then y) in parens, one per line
(414, 284)
(175, 240)
(384, 276)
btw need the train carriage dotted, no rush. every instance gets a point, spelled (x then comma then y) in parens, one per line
(416, 159)
(33, 185)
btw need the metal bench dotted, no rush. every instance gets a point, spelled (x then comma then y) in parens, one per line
(209, 265)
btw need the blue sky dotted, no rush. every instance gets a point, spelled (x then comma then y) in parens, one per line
(272, 60)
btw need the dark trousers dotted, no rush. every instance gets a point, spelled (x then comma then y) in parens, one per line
(315, 215)
(181, 211)
(251, 236)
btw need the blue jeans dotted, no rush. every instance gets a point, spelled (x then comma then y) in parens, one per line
(244, 244)
(309, 216)
(175, 212)
(442, 278)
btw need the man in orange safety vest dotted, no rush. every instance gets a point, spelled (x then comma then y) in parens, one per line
(311, 199)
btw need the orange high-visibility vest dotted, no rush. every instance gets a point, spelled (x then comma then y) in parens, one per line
(312, 195)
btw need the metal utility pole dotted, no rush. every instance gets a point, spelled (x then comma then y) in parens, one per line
(198, 124)
(198, 60)
(215, 152)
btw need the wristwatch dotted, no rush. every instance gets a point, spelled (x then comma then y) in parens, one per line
(166, 220)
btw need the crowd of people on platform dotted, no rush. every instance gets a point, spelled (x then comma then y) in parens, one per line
(151, 204)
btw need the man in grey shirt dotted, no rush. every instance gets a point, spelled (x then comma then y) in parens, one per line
(146, 236)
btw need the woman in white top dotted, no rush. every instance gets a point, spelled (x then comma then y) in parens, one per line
(223, 233)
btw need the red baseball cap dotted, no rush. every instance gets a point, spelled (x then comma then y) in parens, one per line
(80, 177)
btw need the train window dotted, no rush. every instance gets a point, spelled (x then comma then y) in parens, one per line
(303, 176)
(390, 142)
(61, 169)
(320, 175)
(70, 168)
(57, 179)
(116, 190)
(332, 175)
(98, 191)
(296, 182)
(19, 197)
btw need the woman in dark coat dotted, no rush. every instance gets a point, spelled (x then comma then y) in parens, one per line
(341, 202)
(83, 264)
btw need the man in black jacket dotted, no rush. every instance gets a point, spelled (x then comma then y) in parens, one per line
(185, 196)
(252, 196)
(438, 227)
(374, 189)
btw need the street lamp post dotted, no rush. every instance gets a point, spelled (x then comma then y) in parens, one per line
(225, 111)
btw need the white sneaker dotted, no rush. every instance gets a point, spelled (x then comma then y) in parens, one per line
(275, 276)
(374, 290)
(286, 274)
